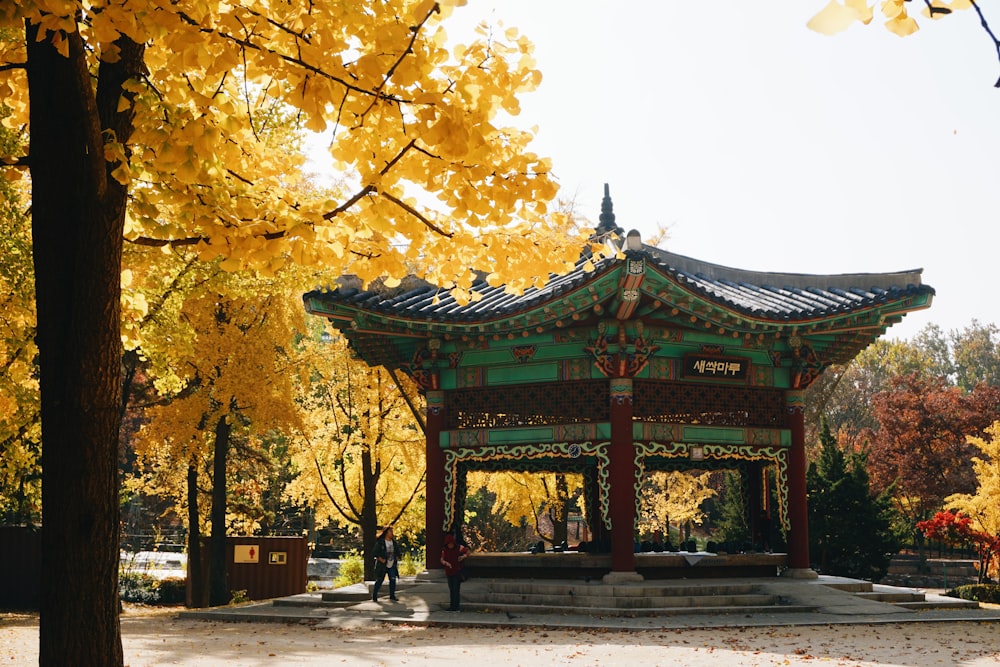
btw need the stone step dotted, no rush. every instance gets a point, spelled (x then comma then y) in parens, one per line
(617, 602)
(937, 603)
(314, 601)
(894, 598)
(511, 587)
(850, 585)
(514, 610)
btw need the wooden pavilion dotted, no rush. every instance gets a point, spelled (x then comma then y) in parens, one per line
(651, 361)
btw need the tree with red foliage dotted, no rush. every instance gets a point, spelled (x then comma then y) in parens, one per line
(956, 529)
(920, 448)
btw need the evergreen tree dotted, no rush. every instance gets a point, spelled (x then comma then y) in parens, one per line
(731, 523)
(849, 528)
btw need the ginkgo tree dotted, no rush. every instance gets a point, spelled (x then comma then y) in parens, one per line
(541, 499)
(20, 430)
(982, 508)
(140, 123)
(359, 451)
(222, 365)
(674, 497)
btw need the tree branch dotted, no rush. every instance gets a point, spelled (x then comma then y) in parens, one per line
(417, 214)
(247, 44)
(989, 31)
(329, 494)
(415, 30)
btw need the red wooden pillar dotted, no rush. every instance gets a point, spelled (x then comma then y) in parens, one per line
(621, 476)
(798, 514)
(435, 496)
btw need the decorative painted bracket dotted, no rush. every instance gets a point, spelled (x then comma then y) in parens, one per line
(628, 358)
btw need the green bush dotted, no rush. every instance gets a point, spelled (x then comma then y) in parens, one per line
(141, 588)
(410, 566)
(137, 587)
(977, 592)
(352, 570)
(172, 590)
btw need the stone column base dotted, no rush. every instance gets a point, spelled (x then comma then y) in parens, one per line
(800, 573)
(622, 578)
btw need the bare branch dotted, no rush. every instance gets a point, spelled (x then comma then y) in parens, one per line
(989, 31)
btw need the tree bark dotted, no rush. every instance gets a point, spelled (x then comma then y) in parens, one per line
(78, 214)
(218, 588)
(369, 511)
(196, 570)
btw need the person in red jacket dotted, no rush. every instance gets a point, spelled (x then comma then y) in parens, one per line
(453, 556)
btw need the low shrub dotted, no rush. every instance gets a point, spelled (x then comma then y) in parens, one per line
(141, 588)
(352, 570)
(172, 590)
(977, 592)
(410, 566)
(138, 588)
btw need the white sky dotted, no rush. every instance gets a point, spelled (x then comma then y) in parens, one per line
(765, 146)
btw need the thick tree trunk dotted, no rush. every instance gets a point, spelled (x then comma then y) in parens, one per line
(369, 513)
(77, 223)
(218, 588)
(196, 570)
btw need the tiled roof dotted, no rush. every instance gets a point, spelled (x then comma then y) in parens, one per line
(419, 300)
(788, 296)
(776, 297)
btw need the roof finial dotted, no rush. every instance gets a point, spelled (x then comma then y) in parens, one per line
(607, 210)
(607, 224)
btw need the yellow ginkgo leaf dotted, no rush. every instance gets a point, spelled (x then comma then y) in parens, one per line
(902, 25)
(863, 9)
(893, 9)
(832, 19)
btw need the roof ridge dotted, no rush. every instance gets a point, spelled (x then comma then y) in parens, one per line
(689, 265)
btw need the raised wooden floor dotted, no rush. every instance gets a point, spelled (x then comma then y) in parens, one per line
(665, 565)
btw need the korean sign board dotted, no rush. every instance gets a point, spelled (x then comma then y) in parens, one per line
(717, 368)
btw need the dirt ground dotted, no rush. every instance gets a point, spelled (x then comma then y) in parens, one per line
(158, 638)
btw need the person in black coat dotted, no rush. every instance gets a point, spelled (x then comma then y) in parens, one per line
(386, 563)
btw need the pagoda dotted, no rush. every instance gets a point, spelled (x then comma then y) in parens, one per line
(647, 361)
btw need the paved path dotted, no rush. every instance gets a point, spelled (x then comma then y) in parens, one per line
(423, 603)
(843, 631)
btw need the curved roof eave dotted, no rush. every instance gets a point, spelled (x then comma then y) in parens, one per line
(768, 298)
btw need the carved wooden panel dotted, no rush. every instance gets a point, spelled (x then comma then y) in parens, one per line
(528, 405)
(708, 404)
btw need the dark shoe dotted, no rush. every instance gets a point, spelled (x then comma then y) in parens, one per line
(394, 599)
(374, 598)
